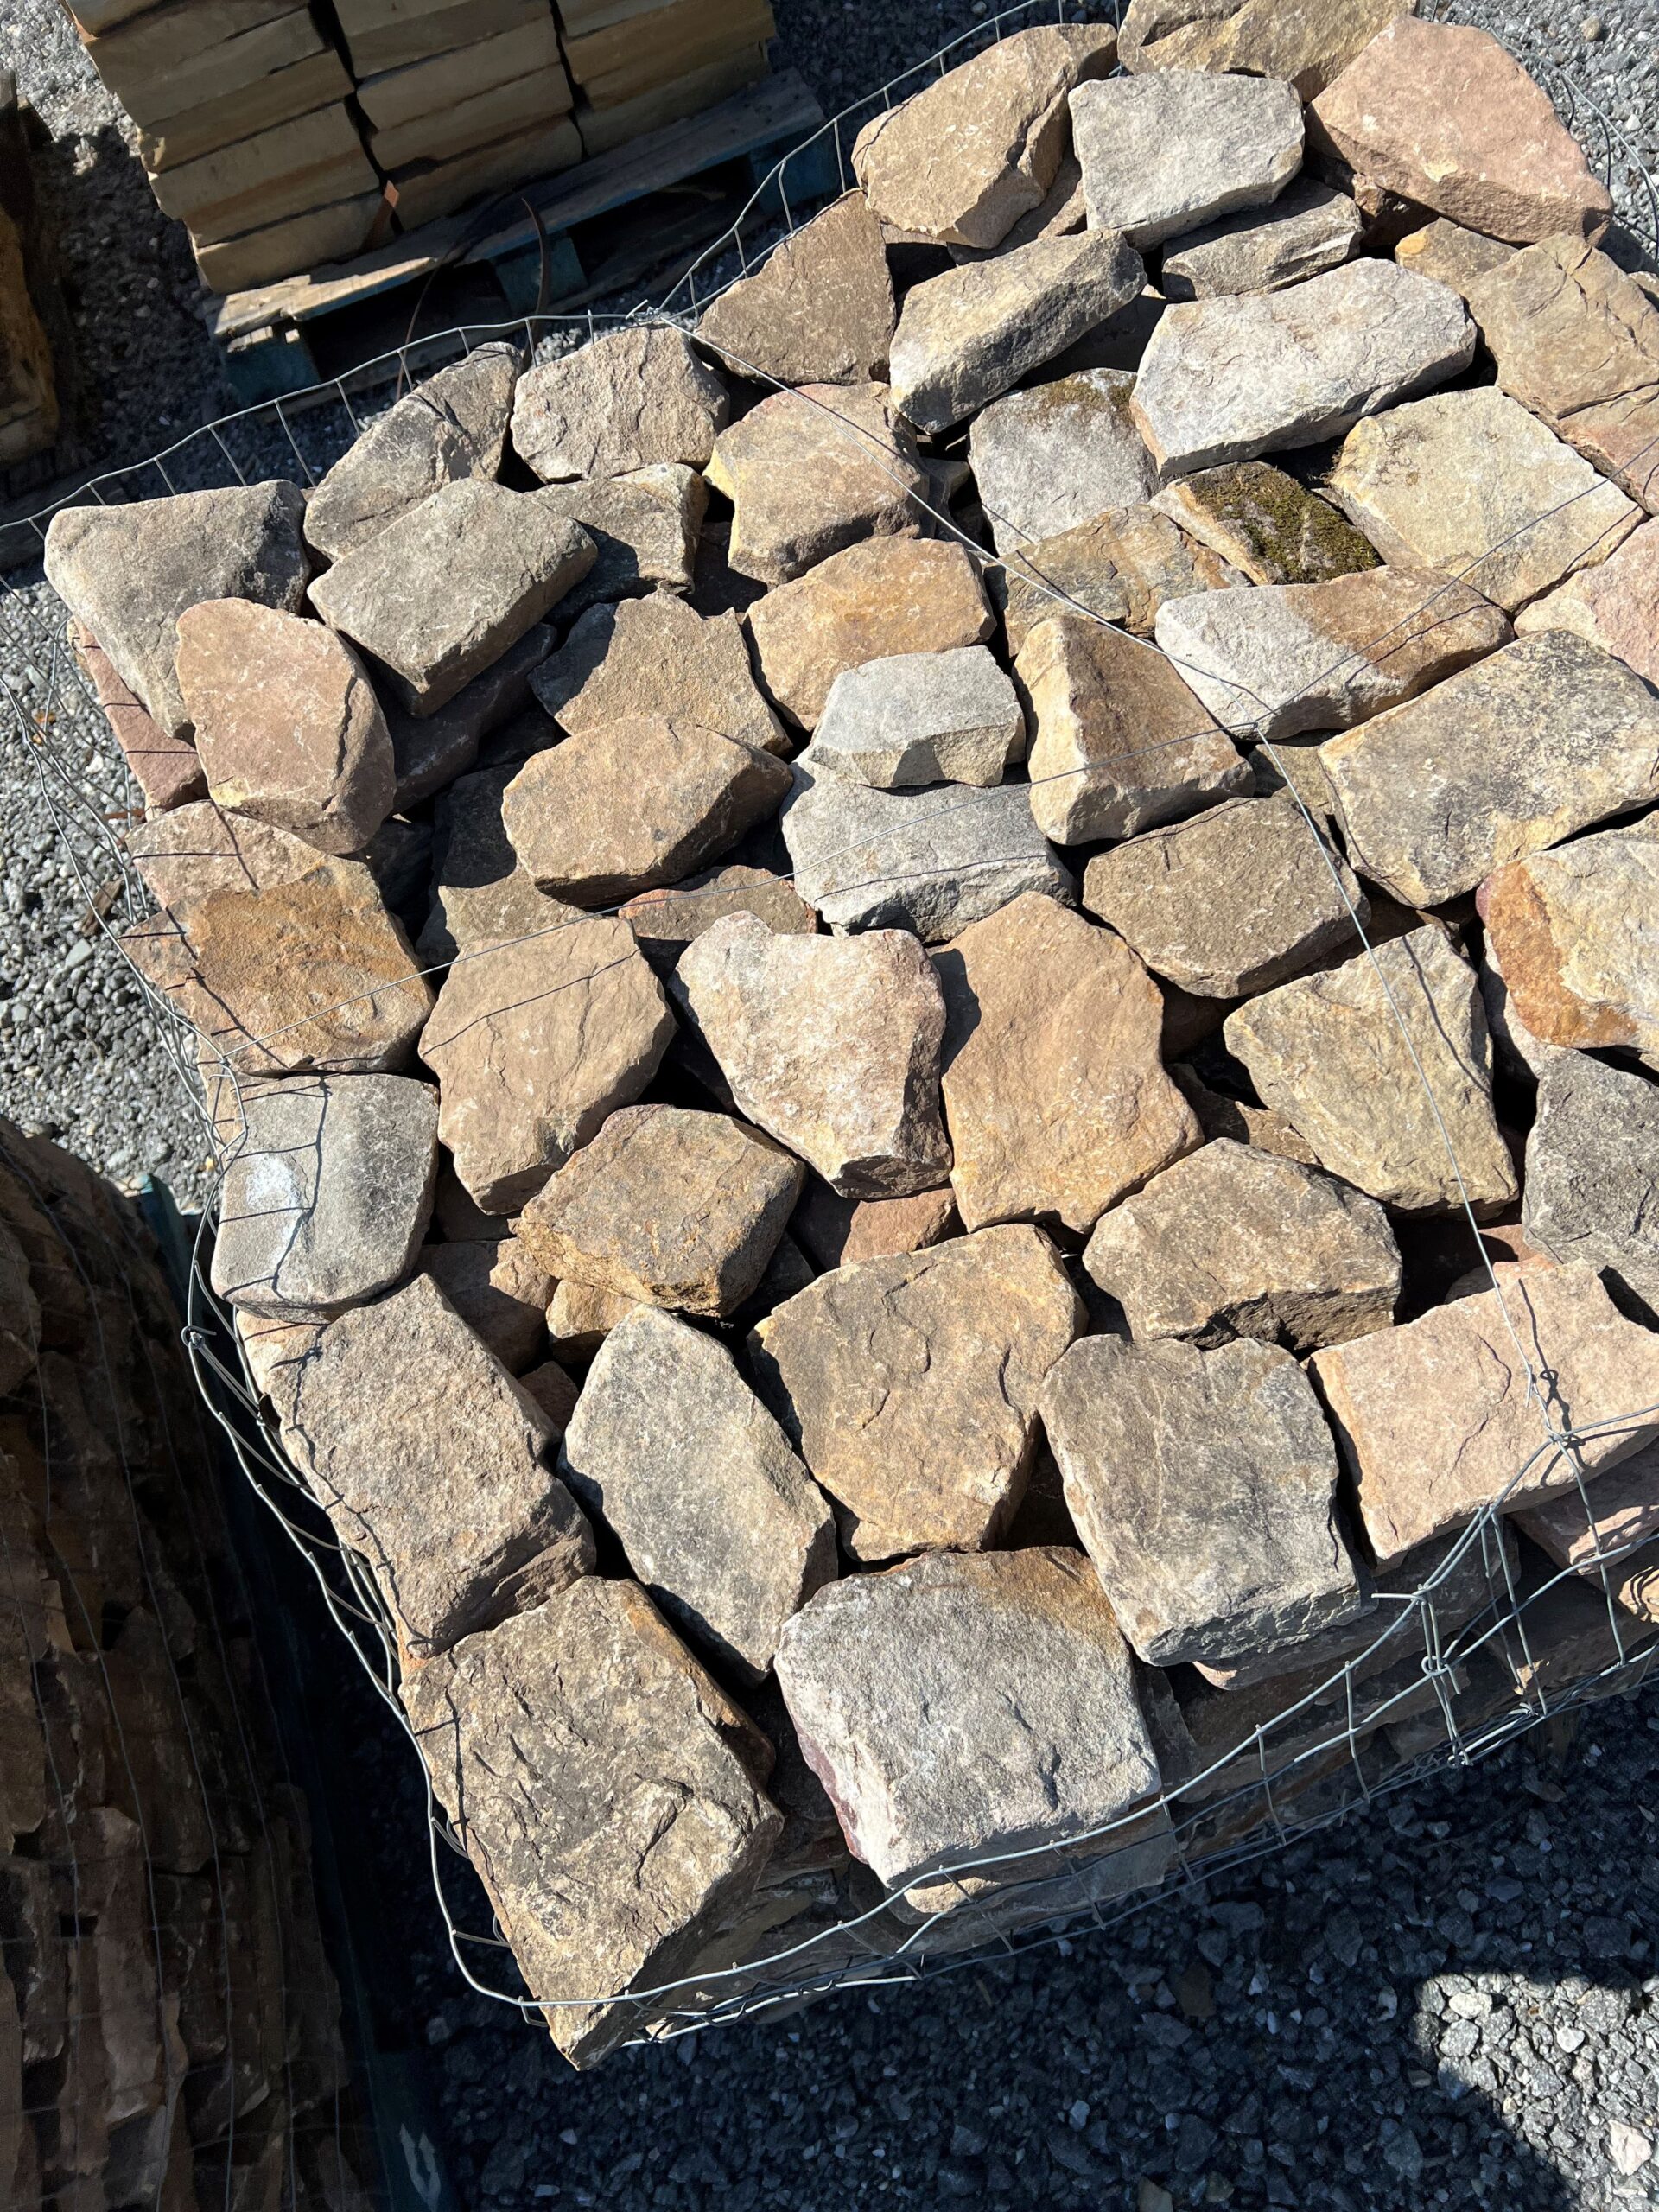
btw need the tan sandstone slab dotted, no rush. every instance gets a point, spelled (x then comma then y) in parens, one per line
(656, 656)
(1308, 41)
(1451, 254)
(200, 848)
(819, 310)
(1614, 605)
(1605, 1522)
(500, 1290)
(1120, 566)
(623, 401)
(1573, 931)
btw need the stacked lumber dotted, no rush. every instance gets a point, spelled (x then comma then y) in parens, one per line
(638, 65)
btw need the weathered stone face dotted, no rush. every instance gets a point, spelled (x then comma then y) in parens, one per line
(1262, 522)
(1119, 567)
(920, 718)
(819, 310)
(1570, 931)
(835, 1231)
(645, 527)
(1054, 456)
(1307, 229)
(1590, 1191)
(1203, 1486)
(481, 894)
(1605, 1521)
(1054, 1096)
(429, 751)
(1451, 254)
(580, 1318)
(1307, 41)
(1614, 604)
(194, 849)
(1164, 153)
(664, 922)
(624, 401)
(656, 656)
(910, 1385)
(500, 1290)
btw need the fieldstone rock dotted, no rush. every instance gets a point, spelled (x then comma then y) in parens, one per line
(1604, 1523)
(718, 1518)
(664, 922)
(500, 1290)
(1054, 1097)
(287, 725)
(1516, 1049)
(1529, 744)
(1163, 153)
(1120, 567)
(1309, 228)
(127, 574)
(645, 526)
(480, 895)
(1203, 1486)
(1590, 1191)
(1449, 1413)
(1221, 1117)
(1119, 743)
(1307, 41)
(812, 472)
(621, 401)
(533, 1045)
(192, 850)
(326, 1198)
(1266, 525)
(429, 1459)
(1451, 254)
(1439, 113)
(1469, 483)
(1402, 1022)
(667, 1208)
(1573, 933)
(272, 1348)
(1051, 457)
(893, 595)
(429, 751)
(965, 158)
(910, 1385)
(607, 1791)
(581, 1316)
(973, 333)
(957, 1708)
(447, 587)
(1231, 902)
(1285, 658)
(818, 310)
(1226, 379)
(834, 1231)
(555, 1390)
(455, 424)
(656, 656)
(629, 805)
(831, 1045)
(930, 861)
(920, 718)
(1232, 1241)
(166, 769)
(1614, 605)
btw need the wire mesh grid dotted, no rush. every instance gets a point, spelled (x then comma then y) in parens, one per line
(1449, 1676)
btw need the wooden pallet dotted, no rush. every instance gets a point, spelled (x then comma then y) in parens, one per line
(602, 226)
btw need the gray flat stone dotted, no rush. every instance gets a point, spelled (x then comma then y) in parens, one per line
(1163, 153)
(911, 719)
(1308, 229)
(818, 310)
(1048, 458)
(645, 526)
(429, 751)
(1591, 1190)
(656, 656)
(623, 401)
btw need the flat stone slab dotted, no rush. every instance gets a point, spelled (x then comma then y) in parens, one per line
(609, 1792)
(327, 1197)
(1614, 1515)
(1307, 41)
(818, 310)
(664, 922)
(718, 1518)
(1614, 604)
(481, 896)
(1265, 524)
(1120, 566)
(1227, 380)
(1203, 1486)
(1591, 1190)
(957, 1708)
(166, 769)
(1306, 230)
(1469, 483)
(1163, 153)
(932, 862)
(1232, 901)
(1452, 1413)
(831, 1045)
(194, 849)
(912, 719)
(1056, 455)
(1235, 1242)
(1054, 1094)
(910, 1385)
(429, 751)
(1572, 932)
(645, 526)
(1404, 1022)
(667, 1207)
(1119, 742)
(501, 1291)
(434, 1464)
(656, 656)
(1537, 741)
(1451, 254)
(623, 401)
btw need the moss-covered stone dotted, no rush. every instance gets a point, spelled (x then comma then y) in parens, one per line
(1266, 525)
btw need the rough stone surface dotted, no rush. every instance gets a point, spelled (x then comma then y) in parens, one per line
(533, 1046)
(453, 425)
(831, 1045)
(969, 335)
(1163, 153)
(668, 1208)
(1233, 1241)
(1120, 567)
(1289, 657)
(194, 849)
(910, 1385)
(581, 1317)
(920, 718)
(664, 922)
(1538, 741)
(957, 1708)
(128, 572)
(1051, 457)
(1221, 1117)
(1614, 604)
(645, 526)
(479, 894)
(1202, 1485)
(1119, 743)
(1451, 254)
(621, 401)
(1443, 1416)
(1469, 483)
(500, 1290)
(1232, 901)
(328, 1196)
(429, 751)
(1226, 379)
(1054, 1096)
(1308, 229)
(1573, 932)
(1441, 114)
(166, 769)
(609, 1795)
(834, 1231)
(629, 805)
(433, 1464)
(893, 595)
(819, 310)
(1266, 525)
(1612, 1516)
(447, 587)
(656, 656)
(930, 861)
(1324, 1049)
(1591, 1190)
(718, 1518)
(1307, 41)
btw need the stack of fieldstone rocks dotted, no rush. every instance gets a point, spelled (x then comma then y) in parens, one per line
(864, 970)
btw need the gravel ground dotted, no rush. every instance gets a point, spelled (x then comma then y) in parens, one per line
(1450, 2002)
